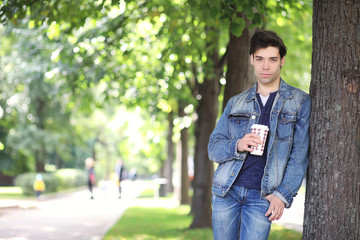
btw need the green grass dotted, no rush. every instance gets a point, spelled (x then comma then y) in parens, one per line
(143, 223)
(148, 221)
(147, 193)
(281, 233)
(11, 192)
(17, 193)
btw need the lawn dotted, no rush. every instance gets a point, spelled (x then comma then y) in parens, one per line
(17, 193)
(11, 192)
(145, 223)
(151, 220)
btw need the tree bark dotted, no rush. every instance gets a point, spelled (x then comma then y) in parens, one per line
(240, 74)
(185, 183)
(40, 154)
(332, 205)
(170, 154)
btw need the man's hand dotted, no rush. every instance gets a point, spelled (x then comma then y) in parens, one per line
(248, 141)
(276, 208)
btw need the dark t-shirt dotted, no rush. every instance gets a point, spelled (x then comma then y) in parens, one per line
(252, 170)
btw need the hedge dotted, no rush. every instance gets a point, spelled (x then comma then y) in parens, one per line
(70, 178)
(59, 180)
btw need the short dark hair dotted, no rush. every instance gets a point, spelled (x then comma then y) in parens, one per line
(266, 39)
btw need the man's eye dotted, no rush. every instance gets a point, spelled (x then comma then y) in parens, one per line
(273, 60)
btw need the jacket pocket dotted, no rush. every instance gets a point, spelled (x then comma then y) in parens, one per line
(285, 128)
(238, 124)
(222, 173)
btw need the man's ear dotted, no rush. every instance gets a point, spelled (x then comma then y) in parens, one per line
(282, 61)
(252, 59)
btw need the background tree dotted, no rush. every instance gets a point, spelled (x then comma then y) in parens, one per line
(332, 206)
(184, 141)
(42, 117)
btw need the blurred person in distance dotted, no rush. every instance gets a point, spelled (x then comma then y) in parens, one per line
(39, 185)
(89, 163)
(120, 173)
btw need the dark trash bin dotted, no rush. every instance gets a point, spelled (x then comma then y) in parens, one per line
(160, 190)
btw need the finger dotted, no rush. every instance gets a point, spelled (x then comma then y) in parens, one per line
(247, 144)
(271, 217)
(251, 147)
(253, 144)
(269, 211)
(254, 141)
(280, 214)
(253, 136)
(274, 215)
(272, 212)
(248, 141)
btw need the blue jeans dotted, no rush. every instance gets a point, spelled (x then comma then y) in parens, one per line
(240, 214)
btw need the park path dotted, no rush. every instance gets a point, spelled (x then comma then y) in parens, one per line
(69, 217)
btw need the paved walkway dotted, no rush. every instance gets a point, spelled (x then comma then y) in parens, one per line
(76, 217)
(68, 217)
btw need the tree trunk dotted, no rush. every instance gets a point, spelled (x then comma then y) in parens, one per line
(203, 167)
(332, 205)
(93, 146)
(170, 154)
(185, 184)
(240, 74)
(40, 155)
(206, 111)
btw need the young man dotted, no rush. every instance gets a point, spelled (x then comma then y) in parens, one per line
(250, 191)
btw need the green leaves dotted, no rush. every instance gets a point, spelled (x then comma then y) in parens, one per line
(237, 25)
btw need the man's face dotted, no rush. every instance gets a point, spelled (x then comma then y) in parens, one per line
(267, 65)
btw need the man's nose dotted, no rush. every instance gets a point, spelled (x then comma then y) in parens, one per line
(266, 64)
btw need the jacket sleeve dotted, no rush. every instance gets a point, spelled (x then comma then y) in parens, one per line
(298, 159)
(221, 148)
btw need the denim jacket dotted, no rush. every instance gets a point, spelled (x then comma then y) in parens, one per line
(287, 155)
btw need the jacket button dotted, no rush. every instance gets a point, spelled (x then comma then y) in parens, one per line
(232, 174)
(253, 117)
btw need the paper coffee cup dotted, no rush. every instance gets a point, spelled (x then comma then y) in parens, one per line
(262, 131)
